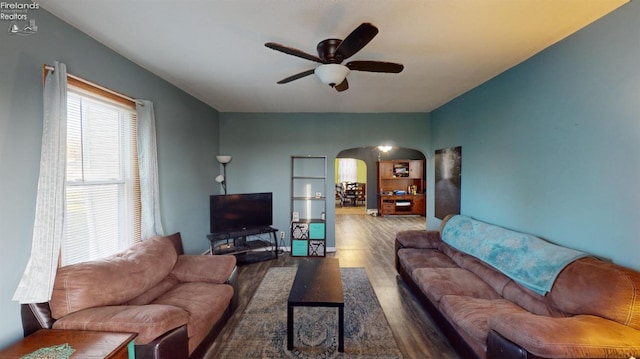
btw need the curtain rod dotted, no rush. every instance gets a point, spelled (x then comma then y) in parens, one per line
(51, 68)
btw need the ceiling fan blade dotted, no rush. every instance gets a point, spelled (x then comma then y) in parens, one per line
(375, 66)
(356, 40)
(296, 76)
(343, 86)
(292, 51)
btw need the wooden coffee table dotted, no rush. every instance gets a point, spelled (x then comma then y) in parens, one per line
(317, 284)
(87, 344)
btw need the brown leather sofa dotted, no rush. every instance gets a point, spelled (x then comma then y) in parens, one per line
(176, 303)
(591, 311)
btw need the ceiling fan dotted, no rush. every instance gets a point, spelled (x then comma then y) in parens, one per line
(331, 53)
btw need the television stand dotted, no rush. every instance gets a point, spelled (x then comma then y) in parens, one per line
(248, 245)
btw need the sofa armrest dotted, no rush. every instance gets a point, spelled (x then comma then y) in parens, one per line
(204, 268)
(233, 281)
(176, 240)
(173, 344)
(426, 239)
(35, 316)
(498, 347)
(580, 336)
(148, 321)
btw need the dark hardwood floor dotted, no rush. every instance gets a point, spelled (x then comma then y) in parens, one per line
(363, 241)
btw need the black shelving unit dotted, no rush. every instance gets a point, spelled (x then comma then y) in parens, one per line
(249, 245)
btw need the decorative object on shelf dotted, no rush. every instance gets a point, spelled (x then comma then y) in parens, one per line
(222, 179)
(447, 181)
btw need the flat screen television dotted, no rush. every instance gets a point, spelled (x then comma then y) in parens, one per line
(236, 212)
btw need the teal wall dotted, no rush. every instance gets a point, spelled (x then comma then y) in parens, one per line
(262, 146)
(551, 146)
(186, 134)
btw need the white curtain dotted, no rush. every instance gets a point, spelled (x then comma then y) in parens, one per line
(151, 225)
(347, 170)
(36, 284)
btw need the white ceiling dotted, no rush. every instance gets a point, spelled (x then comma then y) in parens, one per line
(214, 49)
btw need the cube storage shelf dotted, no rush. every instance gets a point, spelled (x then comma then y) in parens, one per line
(308, 206)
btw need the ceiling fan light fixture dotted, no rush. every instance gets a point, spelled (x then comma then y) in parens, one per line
(331, 74)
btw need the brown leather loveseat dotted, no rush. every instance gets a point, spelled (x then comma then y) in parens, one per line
(590, 309)
(176, 303)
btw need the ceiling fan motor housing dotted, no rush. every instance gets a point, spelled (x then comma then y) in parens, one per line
(327, 51)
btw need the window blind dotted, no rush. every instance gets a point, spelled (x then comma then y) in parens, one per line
(102, 214)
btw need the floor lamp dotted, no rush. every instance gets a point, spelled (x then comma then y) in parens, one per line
(222, 179)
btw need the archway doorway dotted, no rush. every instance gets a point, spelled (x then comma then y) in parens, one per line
(369, 156)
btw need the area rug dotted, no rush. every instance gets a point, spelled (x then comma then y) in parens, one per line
(262, 331)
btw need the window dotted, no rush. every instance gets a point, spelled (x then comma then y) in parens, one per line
(347, 170)
(102, 213)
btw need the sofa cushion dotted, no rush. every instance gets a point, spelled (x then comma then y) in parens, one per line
(202, 268)
(419, 239)
(205, 303)
(412, 259)
(453, 253)
(438, 282)
(581, 336)
(159, 289)
(472, 314)
(149, 321)
(592, 286)
(530, 300)
(112, 280)
(492, 276)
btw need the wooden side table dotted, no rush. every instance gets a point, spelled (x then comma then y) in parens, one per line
(87, 344)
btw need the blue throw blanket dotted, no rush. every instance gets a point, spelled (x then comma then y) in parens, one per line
(532, 262)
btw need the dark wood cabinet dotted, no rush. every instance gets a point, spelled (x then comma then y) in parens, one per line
(385, 170)
(415, 169)
(401, 187)
(391, 204)
(420, 204)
